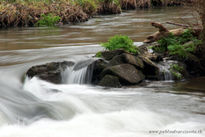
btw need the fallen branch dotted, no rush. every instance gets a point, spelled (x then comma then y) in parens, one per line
(177, 24)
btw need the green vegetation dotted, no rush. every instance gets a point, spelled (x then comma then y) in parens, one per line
(19, 13)
(28, 12)
(121, 42)
(177, 71)
(177, 75)
(98, 54)
(48, 20)
(88, 6)
(181, 46)
(177, 67)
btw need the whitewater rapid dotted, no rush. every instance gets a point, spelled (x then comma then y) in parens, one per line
(43, 109)
(36, 108)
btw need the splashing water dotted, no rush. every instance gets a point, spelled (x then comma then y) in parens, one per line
(80, 73)
(164, 68)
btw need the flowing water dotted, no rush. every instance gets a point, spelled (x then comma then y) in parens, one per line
(35, 108)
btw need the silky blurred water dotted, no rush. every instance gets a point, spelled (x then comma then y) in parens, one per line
(35, 108)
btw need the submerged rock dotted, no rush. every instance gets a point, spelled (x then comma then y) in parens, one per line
(127, 73)
(50, 72)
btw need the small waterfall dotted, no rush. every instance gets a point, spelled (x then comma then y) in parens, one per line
(164, 67)
(80, 73)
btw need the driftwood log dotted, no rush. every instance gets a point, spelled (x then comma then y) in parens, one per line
(163, 32)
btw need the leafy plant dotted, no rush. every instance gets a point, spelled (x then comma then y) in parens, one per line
(177, 67)
(177, 71)
(99, 54)
(177, 45)
(179, 51)
(48, 20)
(120, 42)
(177, 75)
(159, 49)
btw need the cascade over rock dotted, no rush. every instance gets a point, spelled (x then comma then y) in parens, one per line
(50, 72)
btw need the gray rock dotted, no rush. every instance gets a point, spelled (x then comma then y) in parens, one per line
(126, 58)
(98, 66)
(50, 72)
(110, 81)
(108, 55)
(127, 73)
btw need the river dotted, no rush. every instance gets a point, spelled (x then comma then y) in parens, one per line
(35, 108)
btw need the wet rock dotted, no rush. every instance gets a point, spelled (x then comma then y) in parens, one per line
(151, 70)
(110, 81)
(146, 51)
(194, 66)
(50, 72)
(156, 57)
(98, 66)
(126, 73)
(126, 58)
(108, 55)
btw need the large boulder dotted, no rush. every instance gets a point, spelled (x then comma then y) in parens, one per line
(50, 72)
(110, 81)
(126, 73)
(126, 58)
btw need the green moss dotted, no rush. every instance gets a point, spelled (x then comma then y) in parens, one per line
(121, 42)
(48, 20)
(98, 54)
